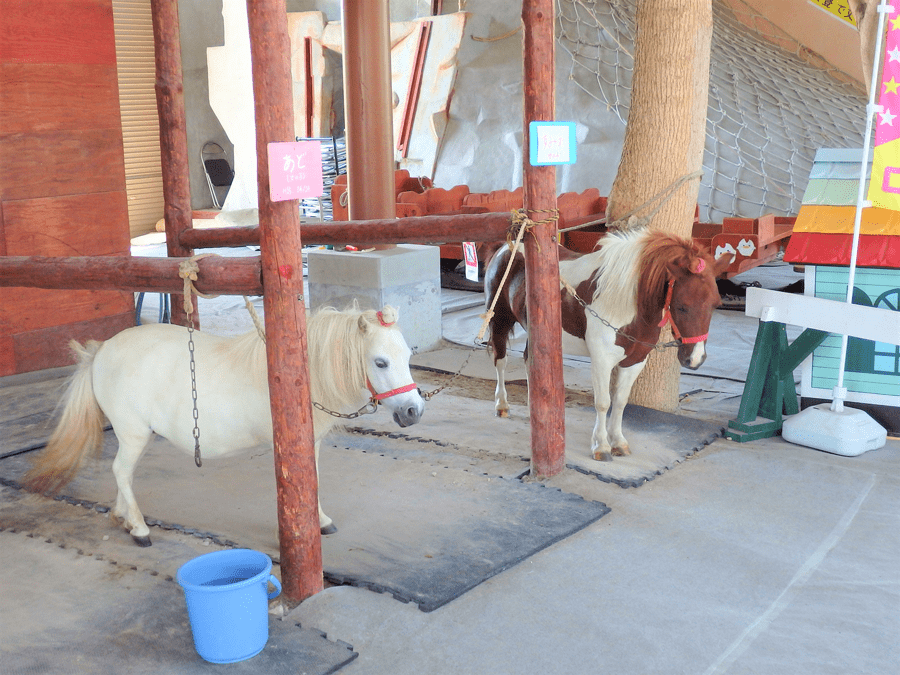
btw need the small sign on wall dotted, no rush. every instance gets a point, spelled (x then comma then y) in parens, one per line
(470, 254)
(295, 170)
(551, 143)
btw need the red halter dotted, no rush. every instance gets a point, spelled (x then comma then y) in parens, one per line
(667, 318)
(393, 392)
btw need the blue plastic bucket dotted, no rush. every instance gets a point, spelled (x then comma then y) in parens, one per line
(227, 596)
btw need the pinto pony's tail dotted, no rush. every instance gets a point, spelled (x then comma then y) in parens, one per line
(78, 433)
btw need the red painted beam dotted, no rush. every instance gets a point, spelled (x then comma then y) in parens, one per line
(415, 88)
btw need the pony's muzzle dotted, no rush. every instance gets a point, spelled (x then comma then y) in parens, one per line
(407, 415)
(692, 356)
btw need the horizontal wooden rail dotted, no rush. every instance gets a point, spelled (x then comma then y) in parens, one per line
(477, 227)
(237, 276)
(217, 275)
(832, 316)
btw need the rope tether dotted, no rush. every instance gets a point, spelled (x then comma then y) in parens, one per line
(188, 270)
(521, 223)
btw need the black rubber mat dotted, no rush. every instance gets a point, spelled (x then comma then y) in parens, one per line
(428, 535)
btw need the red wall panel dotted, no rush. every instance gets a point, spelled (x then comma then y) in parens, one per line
(88, 224)
(58, 97)
(57, 163)
(62, 173)
(57, 31)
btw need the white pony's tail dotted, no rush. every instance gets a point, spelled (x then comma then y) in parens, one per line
(79, 432)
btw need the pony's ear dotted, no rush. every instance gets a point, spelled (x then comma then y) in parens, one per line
(679, 267)
(363, 324)
(721, 264)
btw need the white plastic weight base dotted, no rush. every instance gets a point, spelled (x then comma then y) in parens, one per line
(850, 432)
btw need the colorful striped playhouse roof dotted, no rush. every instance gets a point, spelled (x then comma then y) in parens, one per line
(823, 233)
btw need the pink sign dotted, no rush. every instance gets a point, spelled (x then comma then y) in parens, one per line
(295, 170)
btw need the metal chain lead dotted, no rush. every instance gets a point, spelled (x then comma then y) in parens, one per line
(618, 331)
(372, 405)
(197, 459)
(428, 394)
(367, 409)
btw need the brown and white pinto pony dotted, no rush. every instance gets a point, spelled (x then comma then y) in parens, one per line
(637, 281)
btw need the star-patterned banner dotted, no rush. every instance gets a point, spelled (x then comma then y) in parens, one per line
(884, 185)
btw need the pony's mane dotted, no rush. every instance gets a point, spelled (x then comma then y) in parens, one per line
(660, 250)
(337, 355)
(631, 265)
(248, 350)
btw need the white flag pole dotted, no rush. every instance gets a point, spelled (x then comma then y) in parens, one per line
(840, 391)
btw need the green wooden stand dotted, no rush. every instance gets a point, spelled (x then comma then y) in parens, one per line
(769, 391)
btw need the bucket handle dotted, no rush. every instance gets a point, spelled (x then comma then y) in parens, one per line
(276, 584)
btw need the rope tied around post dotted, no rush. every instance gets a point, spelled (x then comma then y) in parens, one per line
(188, 271)
(520, 224)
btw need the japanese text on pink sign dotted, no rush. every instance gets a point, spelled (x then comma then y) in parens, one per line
(295, 170)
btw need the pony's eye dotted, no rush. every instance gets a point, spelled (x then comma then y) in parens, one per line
(381, 363)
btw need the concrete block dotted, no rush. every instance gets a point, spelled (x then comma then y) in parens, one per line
(407, 277)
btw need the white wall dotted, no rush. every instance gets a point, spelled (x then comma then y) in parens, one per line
(482, 144)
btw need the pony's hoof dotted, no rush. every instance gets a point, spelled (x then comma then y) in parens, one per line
(328, 529)
(603, 456)
(621, 452)
(503, 413)
(143, 542)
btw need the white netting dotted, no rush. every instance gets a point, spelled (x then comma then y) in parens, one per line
(772, 102)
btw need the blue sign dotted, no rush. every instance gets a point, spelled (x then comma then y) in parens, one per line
(551, 143)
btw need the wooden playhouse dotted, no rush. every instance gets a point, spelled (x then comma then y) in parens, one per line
(822, 243)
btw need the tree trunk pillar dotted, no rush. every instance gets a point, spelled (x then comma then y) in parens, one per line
(664, 142)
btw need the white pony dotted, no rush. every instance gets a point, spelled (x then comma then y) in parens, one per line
(140, 379)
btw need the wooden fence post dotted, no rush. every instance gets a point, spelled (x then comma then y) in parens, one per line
(172, 138)
(285, 313)
(546, 389)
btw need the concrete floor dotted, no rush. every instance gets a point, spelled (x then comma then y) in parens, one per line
(763, 558)
(756, 558)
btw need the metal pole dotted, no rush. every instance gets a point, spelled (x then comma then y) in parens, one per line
(285, 313)
(546, 390)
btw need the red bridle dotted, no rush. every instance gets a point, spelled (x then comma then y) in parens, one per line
(667, 318)
(393, 392)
